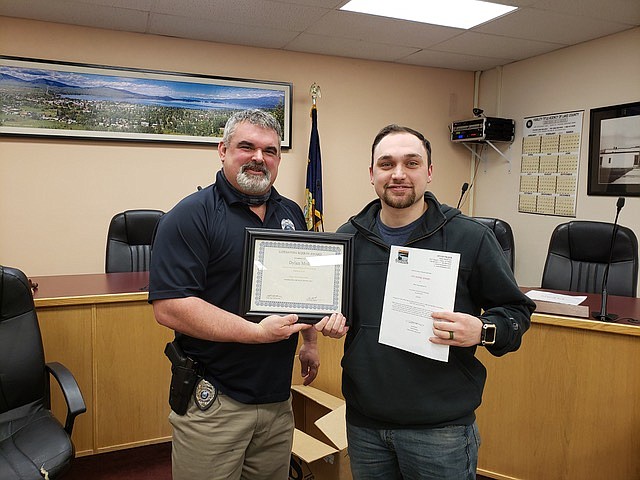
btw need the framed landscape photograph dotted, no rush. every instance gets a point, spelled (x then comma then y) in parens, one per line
(47, 98)
(614, 150)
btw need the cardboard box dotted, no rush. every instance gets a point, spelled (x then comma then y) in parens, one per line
(320, 437)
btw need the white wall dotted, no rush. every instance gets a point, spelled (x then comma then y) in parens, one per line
(58, 195)
(593, 74)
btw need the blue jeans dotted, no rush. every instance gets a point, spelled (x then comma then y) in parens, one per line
(448, 453)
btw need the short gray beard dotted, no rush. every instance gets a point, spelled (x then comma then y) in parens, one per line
(252, 184)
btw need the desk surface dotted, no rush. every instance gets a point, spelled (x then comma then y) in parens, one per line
(628, 309)
(90, 288)
(132, 286)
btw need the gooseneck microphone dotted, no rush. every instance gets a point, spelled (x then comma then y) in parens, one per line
(465, 187)
(602, 315)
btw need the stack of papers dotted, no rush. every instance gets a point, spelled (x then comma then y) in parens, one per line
(559, 304)
(556, 297)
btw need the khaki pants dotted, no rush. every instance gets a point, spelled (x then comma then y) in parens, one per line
(232, 441)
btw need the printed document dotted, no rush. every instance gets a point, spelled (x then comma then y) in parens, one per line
(556, 297)
(419, 282)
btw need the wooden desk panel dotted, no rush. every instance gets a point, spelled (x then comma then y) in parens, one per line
(132, 377)
(66, 335)
(565, 406)
(102, 328)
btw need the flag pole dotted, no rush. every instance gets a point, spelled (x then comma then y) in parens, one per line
(313, 191)
(315, 93)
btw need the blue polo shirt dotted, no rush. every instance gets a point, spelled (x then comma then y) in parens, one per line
(198, 251)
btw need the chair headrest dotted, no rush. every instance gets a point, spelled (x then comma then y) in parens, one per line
(587, 241)
(501, 229)
(15, 294)
(134, 227)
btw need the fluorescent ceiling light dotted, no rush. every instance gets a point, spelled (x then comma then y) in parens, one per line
(449, 13)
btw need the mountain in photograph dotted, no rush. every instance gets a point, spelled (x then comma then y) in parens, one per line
(122, 95)
(65, 89)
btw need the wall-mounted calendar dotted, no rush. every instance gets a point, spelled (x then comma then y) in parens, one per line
(549, 164)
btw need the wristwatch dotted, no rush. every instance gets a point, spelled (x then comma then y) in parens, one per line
(488, 333)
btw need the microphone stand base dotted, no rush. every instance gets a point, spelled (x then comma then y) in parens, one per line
(607, 317)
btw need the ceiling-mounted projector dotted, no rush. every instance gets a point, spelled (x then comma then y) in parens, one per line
(483, 129)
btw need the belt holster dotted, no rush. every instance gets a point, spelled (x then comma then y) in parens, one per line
(185, 373)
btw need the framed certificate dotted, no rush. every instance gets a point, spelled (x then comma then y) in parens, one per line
(287, 271)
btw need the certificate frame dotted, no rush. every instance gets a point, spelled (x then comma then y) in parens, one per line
(278, 265)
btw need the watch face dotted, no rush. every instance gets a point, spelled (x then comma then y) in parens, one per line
(488, 334)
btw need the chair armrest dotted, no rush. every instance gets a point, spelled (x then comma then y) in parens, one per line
(71, 391)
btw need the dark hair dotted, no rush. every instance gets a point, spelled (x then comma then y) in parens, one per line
(393, 128)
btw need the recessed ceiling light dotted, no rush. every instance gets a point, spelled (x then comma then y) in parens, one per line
(449, 13)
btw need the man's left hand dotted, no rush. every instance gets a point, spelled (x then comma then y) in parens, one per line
(309, 361)
(456, 329)
(334, 326)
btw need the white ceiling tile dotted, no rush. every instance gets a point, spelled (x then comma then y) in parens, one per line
(267, 13)
(143, 5)
(76, 13)
(377, 29)
(11, 8)
(622, 11)
(346, 47)
(429, 58)
(482, 44)
(533, 24)
(202, 9)
(222, 32)
(318, 26)
(318, 3)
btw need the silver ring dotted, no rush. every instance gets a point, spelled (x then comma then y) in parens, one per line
(450, 335)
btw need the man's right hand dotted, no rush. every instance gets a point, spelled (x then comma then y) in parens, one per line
(276, 327)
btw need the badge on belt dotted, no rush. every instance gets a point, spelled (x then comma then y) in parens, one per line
(204, 394)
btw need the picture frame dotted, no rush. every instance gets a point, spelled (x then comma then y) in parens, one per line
(614, 150)
(290, 271)
(46, 98)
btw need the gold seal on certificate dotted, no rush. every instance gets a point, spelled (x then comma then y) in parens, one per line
(288, 271)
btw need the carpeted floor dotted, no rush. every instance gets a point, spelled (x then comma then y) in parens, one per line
(151, 462)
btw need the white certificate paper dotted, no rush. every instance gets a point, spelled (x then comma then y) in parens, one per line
(301, 277)
(419, 282)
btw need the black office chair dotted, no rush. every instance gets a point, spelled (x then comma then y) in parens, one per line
(129, 240)
(504, 234)
(32, 442)
(579, 252)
